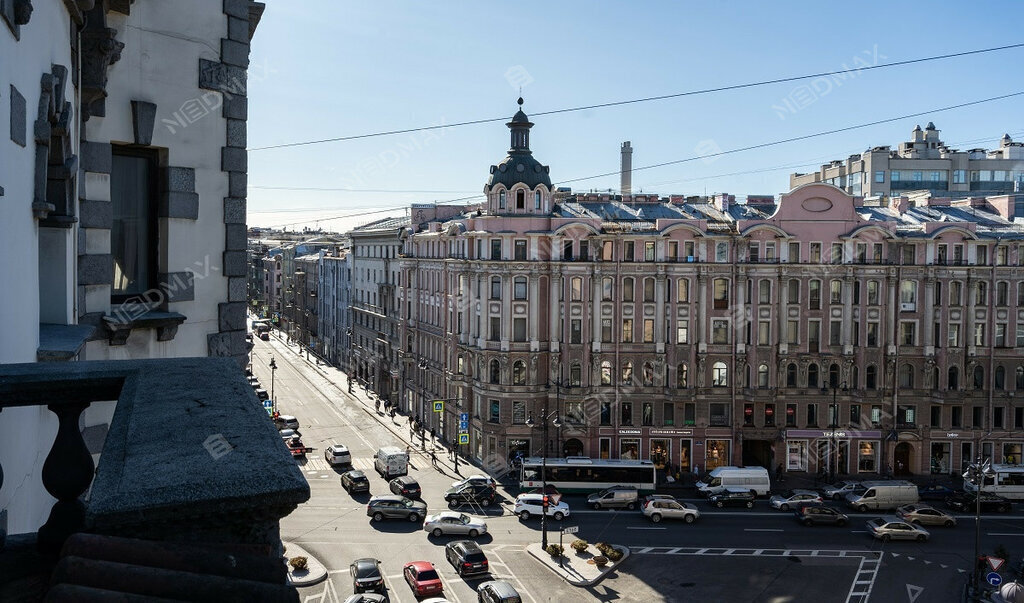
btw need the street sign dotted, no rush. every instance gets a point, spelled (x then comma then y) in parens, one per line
(995, 563)
(994, 579)
(463, 438)
(463, 425)
(438, 406)
(570, 530)
(464, 416)
(268, 404)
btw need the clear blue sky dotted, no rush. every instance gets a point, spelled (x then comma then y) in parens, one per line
(324, 68)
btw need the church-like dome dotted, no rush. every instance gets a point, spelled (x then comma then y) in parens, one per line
(519, 167)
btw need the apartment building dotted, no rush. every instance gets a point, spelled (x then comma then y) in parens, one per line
(335, 316)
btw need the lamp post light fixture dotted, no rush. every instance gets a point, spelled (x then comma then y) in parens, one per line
(833, 449)
(273, 398)
(976, 473)
(557, 422)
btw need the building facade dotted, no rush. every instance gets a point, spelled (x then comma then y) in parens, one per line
(925, 163)
(271, 291)
(291, 320)
(307, 282)
(122, 194)
(335, 274)
(818, 331)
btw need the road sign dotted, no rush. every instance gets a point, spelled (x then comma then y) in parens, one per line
(463, 438)
(268, 404)
(463, 425)
(570, 530)
(994, 579)
(438, 406)
(913, 592)
(995, 563)
(463, 416)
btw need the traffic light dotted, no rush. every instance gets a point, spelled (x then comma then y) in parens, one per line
(545, 499)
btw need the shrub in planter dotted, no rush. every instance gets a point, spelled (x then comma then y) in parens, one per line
(555, 550)
(298, 563)
(579, 545)
(613, 554)
(600, 561)
(601, 546)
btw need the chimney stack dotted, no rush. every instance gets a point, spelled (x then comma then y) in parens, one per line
(626, 182)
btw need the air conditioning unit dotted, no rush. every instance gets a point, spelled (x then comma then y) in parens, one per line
(689, 258)
(907, 307)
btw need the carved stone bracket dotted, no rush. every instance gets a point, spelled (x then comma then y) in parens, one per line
(56, 166)
(100, 50)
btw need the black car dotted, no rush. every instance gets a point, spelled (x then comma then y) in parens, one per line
(355, 481)
(406, 486)
(366, 576)
(810, 515)
(466, 557)
(964, 501)
(474, 494)
(934, 492)
(733, 497)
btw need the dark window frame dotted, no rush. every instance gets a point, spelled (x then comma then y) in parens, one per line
(156, 183)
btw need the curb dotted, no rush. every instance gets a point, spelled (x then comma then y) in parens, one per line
(546, 560)
(315, 572)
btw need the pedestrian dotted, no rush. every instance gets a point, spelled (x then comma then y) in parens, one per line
(433, 434)
(433, 457)
(778, 471)
(408, 450)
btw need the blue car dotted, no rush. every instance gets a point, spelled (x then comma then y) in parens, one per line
(934, 492)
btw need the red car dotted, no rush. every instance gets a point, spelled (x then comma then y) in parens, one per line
(422, 578)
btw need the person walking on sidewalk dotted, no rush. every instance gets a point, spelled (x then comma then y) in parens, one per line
(433, 457)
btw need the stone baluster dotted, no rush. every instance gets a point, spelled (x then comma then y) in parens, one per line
(67, 473)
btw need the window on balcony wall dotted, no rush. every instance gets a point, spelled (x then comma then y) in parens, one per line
(871, 377)
(683, 331)
(576, 288)
(628, 253)
(627, 330)
(762, 376)
(575, 331)
(520, 250)
(627, 289)
(719, 331)
(906, 376)
(495, 372)
(673, 250)
(683, 290)
(793, 291)
(721, 252)
(627, 373)
(721, 291)
(648, 289)
(519, 287)
(648, 330)
(681, 376)
(814, 294)
(794, 253)
(815, 253)
(567, 250)
(754, 252)
(835, 291)
(134, 235)
(764, 291)
(495, 287)
(606, 373)
(719, 375)
(607, 248)
(607, 288)
(495, 249)
(519, 329)
(495, 328)
(648, 251)
(837, 253)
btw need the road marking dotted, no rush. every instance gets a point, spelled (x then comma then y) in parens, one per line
(315, 420)
(639, 528)
(762, 530)
(864, 576)
(522, 589)
(1004, 534)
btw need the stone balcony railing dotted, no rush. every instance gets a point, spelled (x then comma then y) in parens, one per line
(190, 456)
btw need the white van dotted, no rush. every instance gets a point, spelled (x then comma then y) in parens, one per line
(391, 461)
(888, 494)
(754, 479)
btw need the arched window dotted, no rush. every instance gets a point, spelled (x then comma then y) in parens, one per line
(627, 289)
(495, 371)
(520, 199)
(979, 377)
(1020, 378)
(536, 200)
(907, 376)
(1000, 377)
(719, 375)
(762, 376)
(812, 375)
(627, 373)
(501, 200)
(791, 375)
(764, 291)
(648, 289)
(648, 375)
(871, 377)
(681, 378)
(833, 375)
(953, 378)
(1002, 293)
(575, 375)
(606, 373)
(835, 292)
(519, 373)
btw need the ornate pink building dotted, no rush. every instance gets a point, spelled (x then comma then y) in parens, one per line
(700, 332)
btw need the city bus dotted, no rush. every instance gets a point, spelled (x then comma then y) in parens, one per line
(584, 474)
(1008, 482)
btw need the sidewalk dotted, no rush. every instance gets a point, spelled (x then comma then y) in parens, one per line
(398, 426)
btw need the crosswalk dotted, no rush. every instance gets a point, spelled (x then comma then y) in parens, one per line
(319, 464)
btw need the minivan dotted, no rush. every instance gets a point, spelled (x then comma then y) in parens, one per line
(888, 494)
(754, 479)
(391, 461)
(616, 496)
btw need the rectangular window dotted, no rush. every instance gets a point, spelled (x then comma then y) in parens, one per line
(769, 252)
(688, 251)
(519, 288)
(812, 415)
(495, 328)
(683, 290)
(627, 330)
(576, 331)
(997, 417)
(648, 289)
(689, 413)
(855, 411)
(647, 413)
(628, 255)
(721, 294)
(606, 251)
(520, 250)
(607, 287)
(606, 330)
(959, 176)
(813, 335)
(627, 413)
(953, 335)
(835, 292)
(872, 334)
(648, 330)
(1018, 417)
(134, 236)
(649, 251)
(908, 333)
(606, 413)
(793, 332)
(754, 252)
(814, 295)
(1020, 334)
(495, 287)
(837, 253)
(880, 176)
(815, 255)
(976, 416)
(719, 331)
(956, 418)
(835, 331)
(791, 415)
(748, 414)
(1000, 341)
(518, 412)
(518, 329)
(494, 416)
(576, 288)
(668, 414)
(673, 250)
(683, 331)
(908, 255)
(567, 251)
(721, 252)
(872, 293)
(979, 334)
(764, 330)
(794, 253)
(936, 416)
(495, 249)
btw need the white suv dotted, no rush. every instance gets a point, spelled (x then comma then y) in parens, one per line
(660, 508)
(528, 505)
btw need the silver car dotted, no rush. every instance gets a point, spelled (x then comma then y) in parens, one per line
(890, 527)
(452, 522)
(794, 498)
(925, 515)
(838, 491)
(657, 509)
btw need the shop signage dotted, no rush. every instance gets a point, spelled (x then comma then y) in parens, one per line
(827, 433)
(952, 435)
(629, 432)
(675, 432)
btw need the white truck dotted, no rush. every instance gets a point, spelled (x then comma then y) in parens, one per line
(754, 479)
(880, 495)
(391, 461)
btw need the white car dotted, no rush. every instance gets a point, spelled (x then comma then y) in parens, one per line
(794, 498)
(336, 454)
(528, 505)
(657, 509)
(478, 479)
(453, 522)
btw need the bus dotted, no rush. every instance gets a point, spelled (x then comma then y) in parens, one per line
(1008, 482)
(584, 474)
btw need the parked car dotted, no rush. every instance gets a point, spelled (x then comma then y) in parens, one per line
(265, 336)
(934, 492)
(262, 394)
(890, 527)
(422, 578)
(366, 575)
(337, 455)
(528, 505)
(287, 434)
(367, 598)
(355, 481)
(792, 498)
(733, 496)
(497, 591)
(813, 514)
(616, 496)
(286, 422)
(657, 509)
(651, 497)
(925, 515)
(964, 501)
(470, 494)
(466, 557)
(839, 490)
(395, 507)
(451, 522)
(406, 486)
(478, 479)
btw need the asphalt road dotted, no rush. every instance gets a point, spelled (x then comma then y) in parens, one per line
(735, 555)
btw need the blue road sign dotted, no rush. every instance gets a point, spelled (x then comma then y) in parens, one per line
(464, 416)
(268, 404)
(463, 425)
(464, 439)
(994, 578)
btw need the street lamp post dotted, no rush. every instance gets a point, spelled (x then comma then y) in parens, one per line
(273, 398)
(544, 471)
(833, 424)
(976, 474)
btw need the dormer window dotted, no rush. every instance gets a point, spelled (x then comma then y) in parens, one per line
(536, 200)
(501, 200)
(520, 199)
